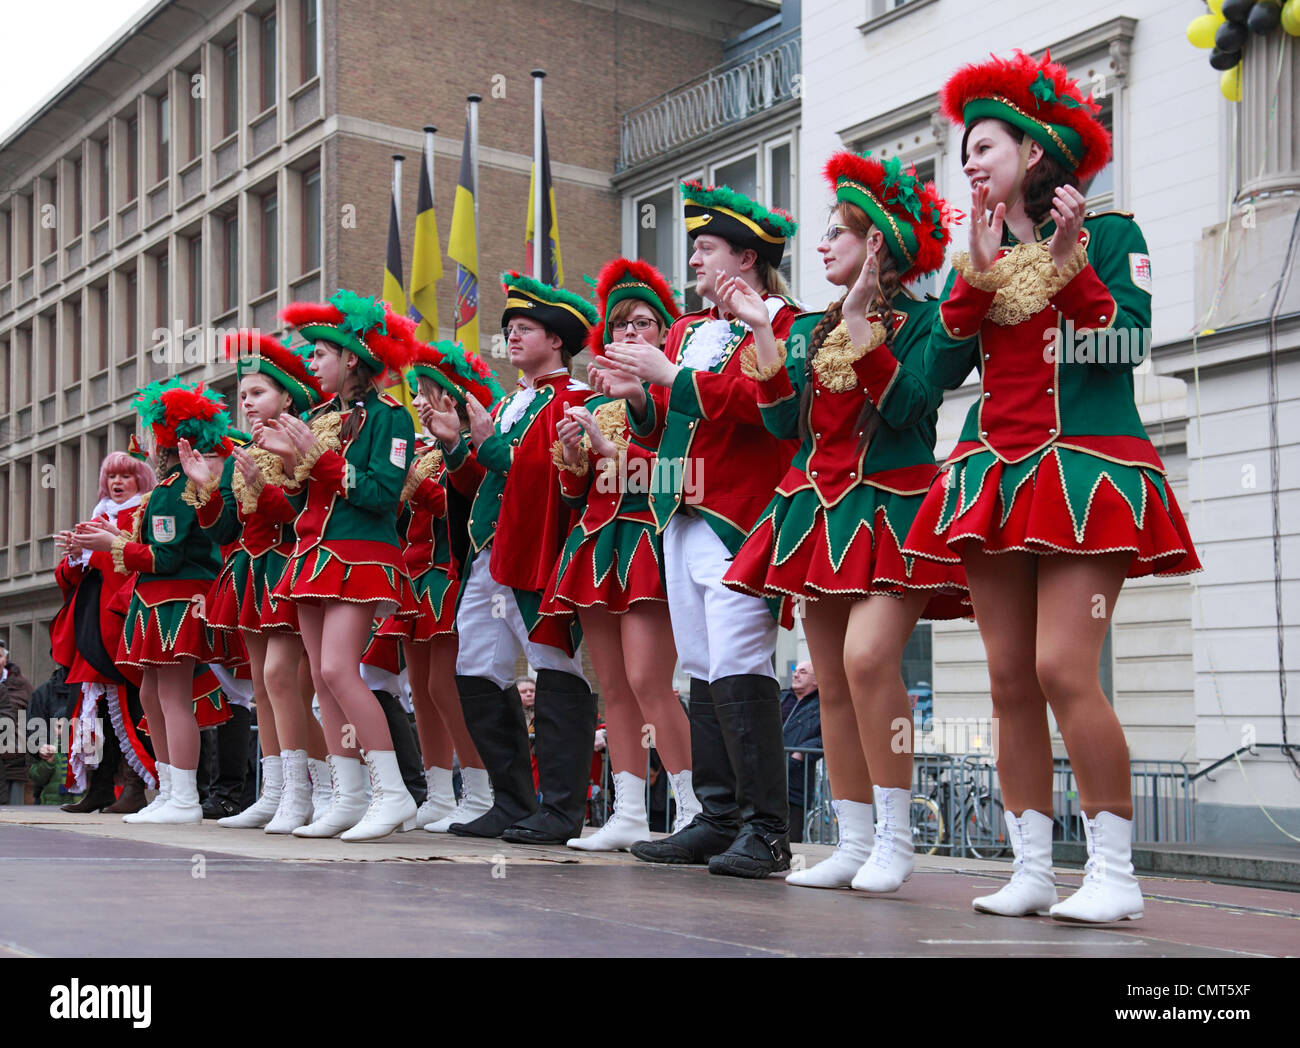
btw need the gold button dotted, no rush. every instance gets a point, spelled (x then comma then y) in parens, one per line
(817, 436)
(1052, 431)
(498, 496)
(515, 442)
(1049, 391)
(813, 474)
(860, 432)
(1103, 318)
(494, 523)
(986, 356)
(817, 392)
(690, 425)
(956, 331)
(984, 433)
(852, 476)
(677, 498)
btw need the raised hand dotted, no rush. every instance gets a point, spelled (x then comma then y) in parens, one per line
(96, 535)
(865, 291)
(272, 436)
(736, 297)
(600, 444)
(570, 434)
(1068, 209)
(194, 464)
(985, 229)
(250, 470)
(439, 418)
(299, 433)
(481, 425)
(644, 363)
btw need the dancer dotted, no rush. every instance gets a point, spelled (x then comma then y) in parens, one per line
(849, 382)
(1053, 494)
(517, 527)
(717, 467)
(346, 567)
(429, 641)
(611, 571)
(176, 560)
(255, 511)
(84, 636)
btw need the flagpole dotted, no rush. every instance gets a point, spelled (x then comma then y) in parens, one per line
(473, 101)
(539, 234)
(397, 186)
(429, 132)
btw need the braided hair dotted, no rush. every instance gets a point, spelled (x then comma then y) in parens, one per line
(887, 274)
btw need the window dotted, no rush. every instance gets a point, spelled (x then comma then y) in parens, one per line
(26, 242)
(311, 221)
(655, 228)
(194, 305)
(162, 290)
(741, 175)
(270, 248)
(1100, 192)
(23, 366)
(100, 306)
(309, 54)
(73, 319)
(101, 155)
(131, 318)
(268, 61)
(229, 89)
(50, 219)
(4, 388)
(230, 262)
(6, 254)
(132, 157)
(780, 194)
(163, 157)
(76, 197)
(49, 353)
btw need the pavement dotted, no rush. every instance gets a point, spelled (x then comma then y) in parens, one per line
(93, 886)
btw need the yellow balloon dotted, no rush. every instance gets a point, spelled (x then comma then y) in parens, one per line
(1216, 8)
(1200, 31)
(1291, 17)
(1230, 83)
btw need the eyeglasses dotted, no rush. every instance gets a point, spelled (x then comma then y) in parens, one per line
(638, 324)
(518, 329)
(833, 232)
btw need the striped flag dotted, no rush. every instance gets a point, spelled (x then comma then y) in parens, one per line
(462, 247)
(426, 260)
(552, 270)
(396, 299)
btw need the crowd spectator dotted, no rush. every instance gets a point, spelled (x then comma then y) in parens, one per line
(803, 727)
(52, 707)
(15, 693)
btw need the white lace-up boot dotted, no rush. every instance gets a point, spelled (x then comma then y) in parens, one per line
(391, 807)
(475, 800)
(854, 849)
(891, 852)
(264, 808)
(627, 825)
(295, 795)
(162, 797)
(440, 801)
(347, 799)
(688, 806)
(1032, 888)
(1109, 891)
(182, 807)
(322, 788)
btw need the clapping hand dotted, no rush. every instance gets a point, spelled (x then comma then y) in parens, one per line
(481, 426)
(194, 464)
(1068, 209)
(985, 229)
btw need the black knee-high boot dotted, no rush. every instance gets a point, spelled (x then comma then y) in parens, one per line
(495, 719)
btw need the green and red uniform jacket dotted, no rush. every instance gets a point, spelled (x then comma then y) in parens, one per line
(175, 557)
(900, 455)
(710, 436)
(354, 494)
(602, 497)
(1031, 396)
(257, 531)
(518, 508)
(426, 540)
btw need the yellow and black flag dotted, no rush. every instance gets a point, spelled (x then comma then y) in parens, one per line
(393, 293)
(426, 260)
(462, 248)
(552, 270)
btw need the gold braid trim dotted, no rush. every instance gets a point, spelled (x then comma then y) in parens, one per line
(1026, 280)
(118, 550)
(326, 429)
(613, 423)
(749, 362)
(137, 521)
(195, 496)
(272, 468)
(834, 360)
(557, 459)
(992, 279)
(424, 467)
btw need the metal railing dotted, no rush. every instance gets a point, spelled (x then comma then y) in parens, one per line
(720, 98)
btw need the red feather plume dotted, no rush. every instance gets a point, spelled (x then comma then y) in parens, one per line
(614, 272)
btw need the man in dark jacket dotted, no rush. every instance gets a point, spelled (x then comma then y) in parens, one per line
(15, 693)
(52, 707)
(803, 727)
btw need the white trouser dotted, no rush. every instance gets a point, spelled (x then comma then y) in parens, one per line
(492, 633)
(719, 632)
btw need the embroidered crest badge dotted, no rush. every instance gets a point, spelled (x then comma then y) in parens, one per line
(164, 529)
(397, 456)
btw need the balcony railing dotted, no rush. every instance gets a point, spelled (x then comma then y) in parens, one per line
(720, 98)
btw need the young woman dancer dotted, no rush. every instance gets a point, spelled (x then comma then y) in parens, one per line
(347, 566)
(849, 383)
(177, 562)
(611, 570)
(249, 505)
(84, 637)
(429, 641)
(1053, 494)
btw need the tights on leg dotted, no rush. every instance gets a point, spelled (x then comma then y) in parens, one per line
(1004, 593)
(307, 695)
(435, 740)
(825, 626)
(154, 715)
(446, 698)
(623, 735)
(294, 724)
(1076, 599)
(267, 736)
(648, 658)
(344, 631)
(176, 696)
(340, 737)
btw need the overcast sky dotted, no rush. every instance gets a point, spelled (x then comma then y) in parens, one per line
(43, 41)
